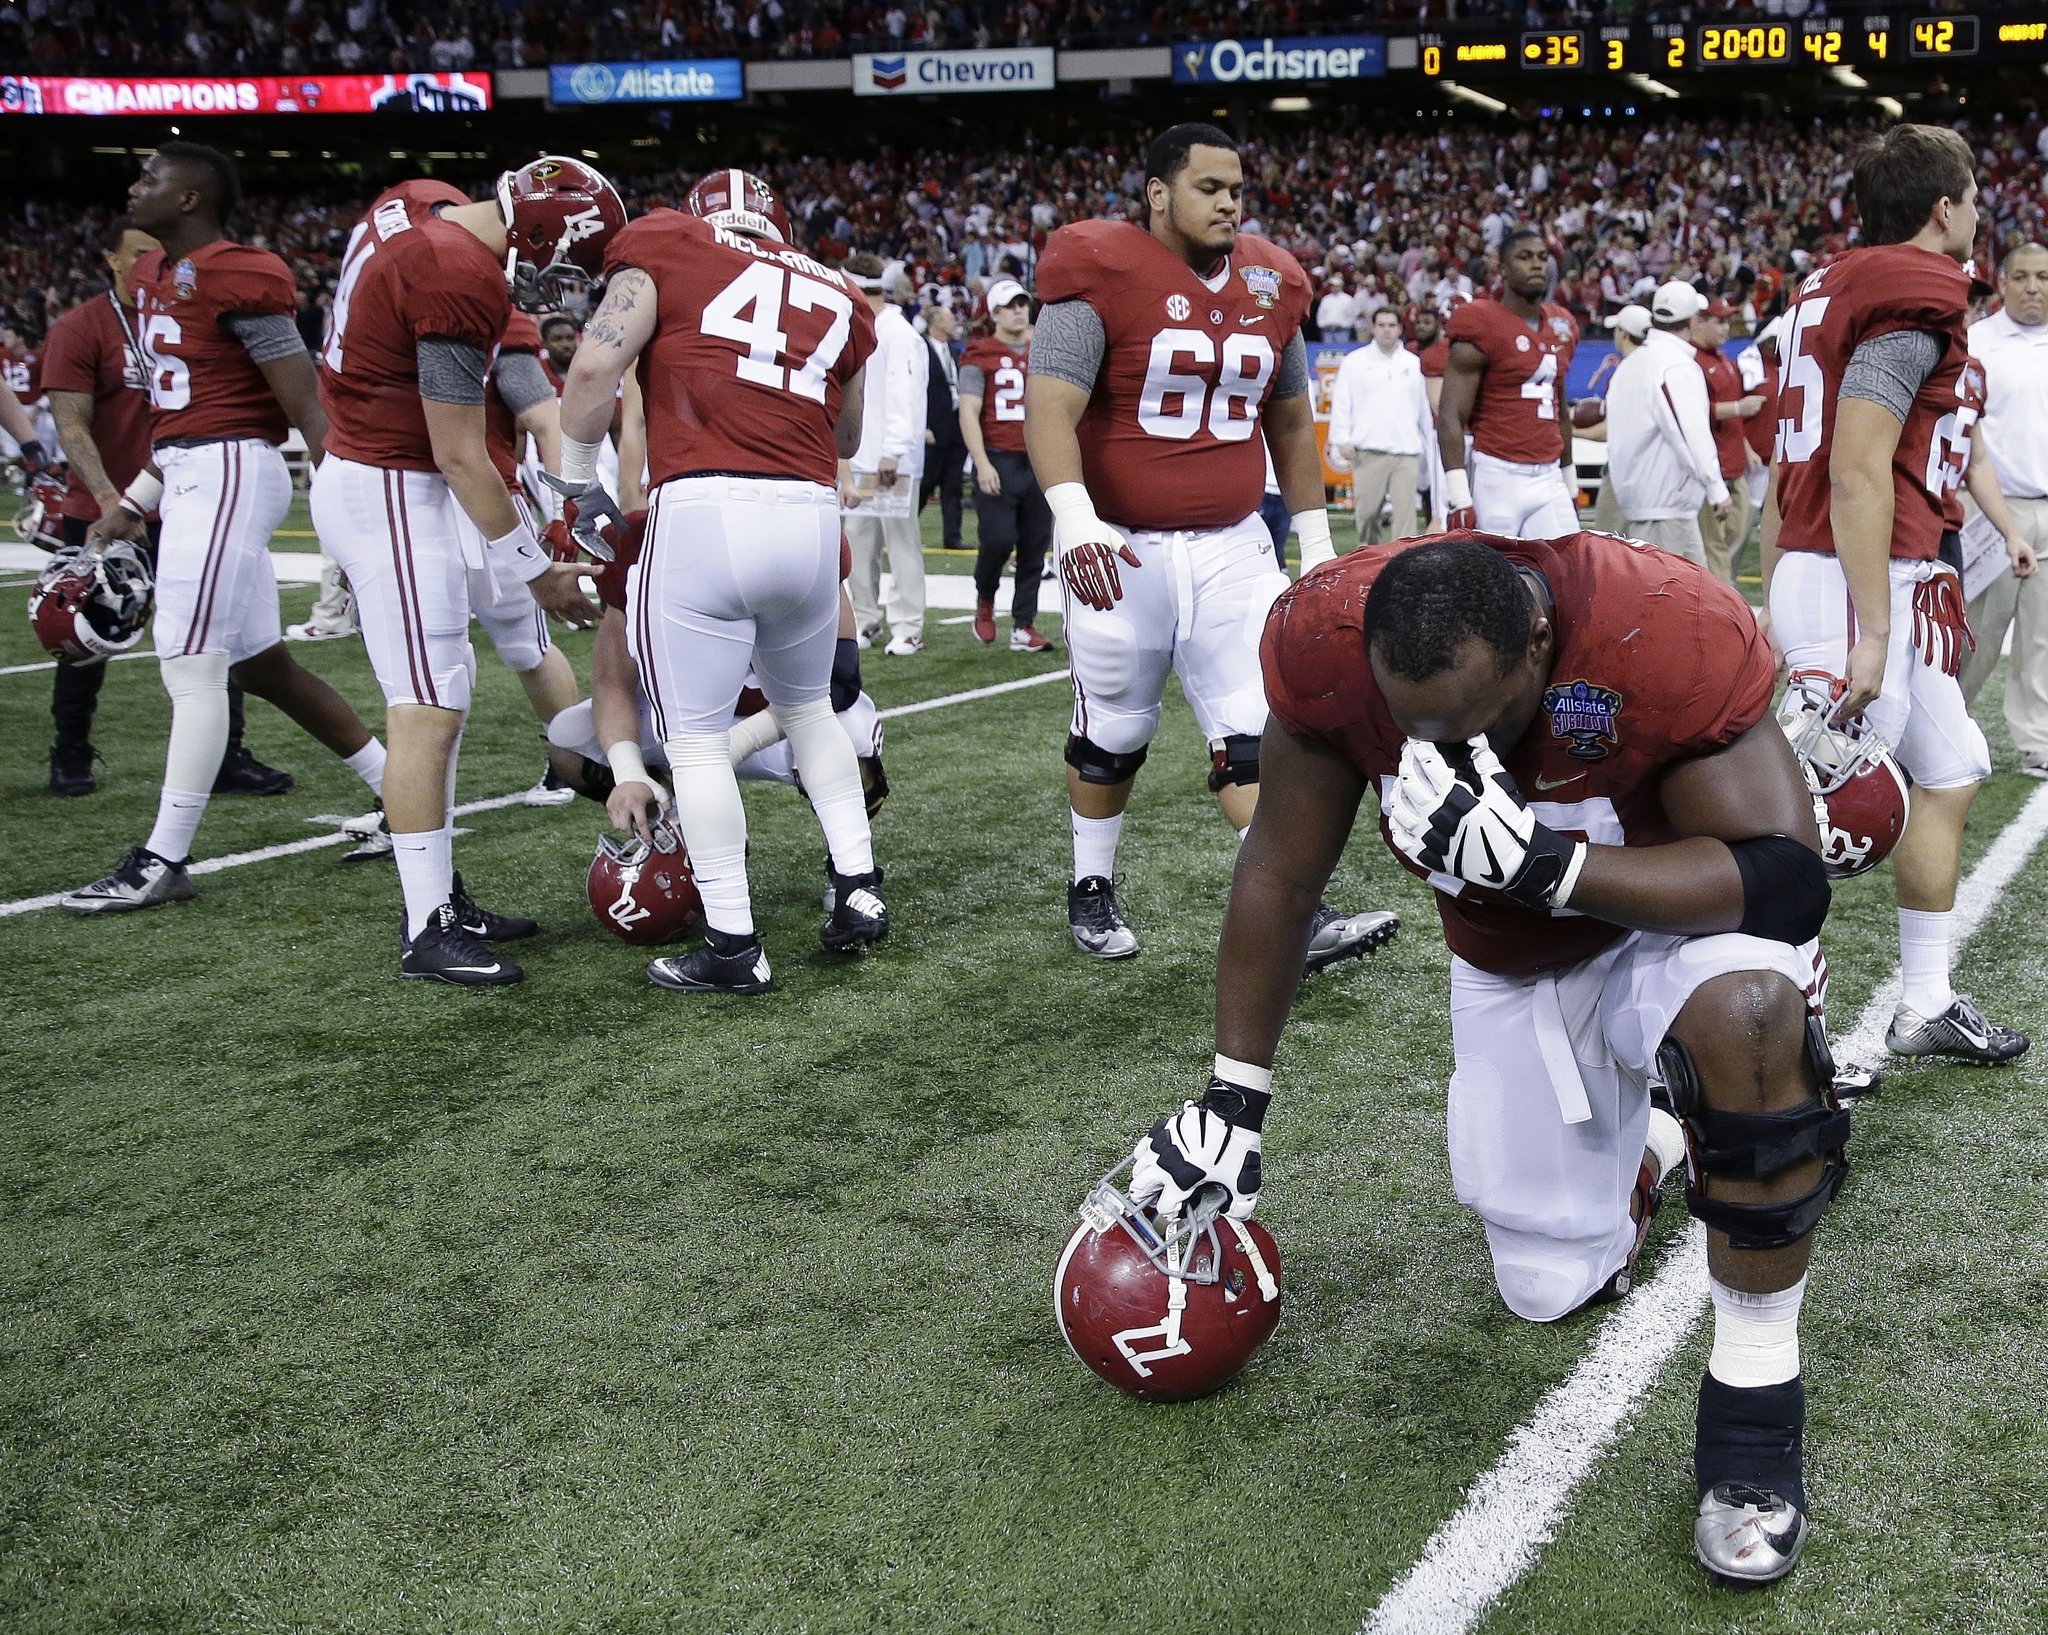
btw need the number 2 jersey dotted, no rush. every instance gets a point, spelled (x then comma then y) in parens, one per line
(203, 385)
(1000, 369)
(1170, 438)
(753, 348)
(1866, 294)
(1514, 417)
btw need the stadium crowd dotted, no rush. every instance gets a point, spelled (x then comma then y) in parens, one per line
(1404, 217)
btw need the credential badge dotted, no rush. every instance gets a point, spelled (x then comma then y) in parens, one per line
(1584, 712)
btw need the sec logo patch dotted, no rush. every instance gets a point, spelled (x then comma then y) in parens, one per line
(1177, 308)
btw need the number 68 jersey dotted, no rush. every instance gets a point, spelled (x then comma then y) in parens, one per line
(753, 346)
(1170, 439)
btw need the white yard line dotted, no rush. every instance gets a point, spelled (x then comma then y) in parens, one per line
(1515, 1509)
(51, 664)
(1039, 680)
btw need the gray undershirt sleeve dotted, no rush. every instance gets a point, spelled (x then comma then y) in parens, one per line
(1889, 370)
(973, 382)
(265, 336)
(521, 381)
(1069, 344)
(1291, 379)
(450, 371)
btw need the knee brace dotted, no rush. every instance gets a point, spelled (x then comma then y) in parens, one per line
(1236, 762)
(1758, 1146)
(1099, 765)
(845, 674)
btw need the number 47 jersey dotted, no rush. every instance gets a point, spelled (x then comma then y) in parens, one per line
(754, 344)
(1171, 436)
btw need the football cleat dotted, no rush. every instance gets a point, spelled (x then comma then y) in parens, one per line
(1026, 640)
(140, 880)
(482, 924)
(1749, 1459)
(1747, 1536)
(1960, 1033)
(71, 769)
(859, 917)
(312, 632)
(1167, 1310)
(372, 835)
(1853, 1082)
(1335, 936)
(724, 964)
(242, 774)
(550, 791)
(1098, 929)
(448, 951)
(985, 621)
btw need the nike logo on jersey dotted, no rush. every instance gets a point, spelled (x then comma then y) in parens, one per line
(1557, 783)
(1261, 318)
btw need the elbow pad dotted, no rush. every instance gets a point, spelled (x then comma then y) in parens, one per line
(1785, 891)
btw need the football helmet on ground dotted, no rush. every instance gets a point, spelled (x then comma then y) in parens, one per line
(40, 520)
(559, 214)
(1168, 1311)
(740, 202)
(1861, 796)
(88, 606)
(641, 893)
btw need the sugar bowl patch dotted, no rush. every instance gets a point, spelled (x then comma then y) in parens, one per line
(1584, 712)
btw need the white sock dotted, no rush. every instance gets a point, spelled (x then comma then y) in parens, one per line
(1756, 1336)
(1241, 833)
(1666, 1140)
(1095, 845)
(426, 873)
(448, 787)
(1924, 941)
(178, 812)
(368, 764)
(831, 773)
(714, 825)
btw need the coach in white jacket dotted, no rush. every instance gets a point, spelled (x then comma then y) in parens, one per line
(878, 486)
(1380, 425)
(1660, 437)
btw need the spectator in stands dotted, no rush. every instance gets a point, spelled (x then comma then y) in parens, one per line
(1661, 457)
(1380, 424)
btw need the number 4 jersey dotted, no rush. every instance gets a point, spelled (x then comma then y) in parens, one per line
(1514, 418)
(1865, 294)
(753, 348)
(203, 385)
(1170, 438)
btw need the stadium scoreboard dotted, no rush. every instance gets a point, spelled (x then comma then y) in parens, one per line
(1863, 39)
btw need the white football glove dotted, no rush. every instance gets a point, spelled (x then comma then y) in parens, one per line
(1212, 1142)
(1467, 819)
(594, 508)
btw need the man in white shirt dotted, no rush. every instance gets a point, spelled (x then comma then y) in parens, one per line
(2012, 344)
(1631, 326)
(1334, 311)
(878, 486)
(1379, 425)
(1661, 457)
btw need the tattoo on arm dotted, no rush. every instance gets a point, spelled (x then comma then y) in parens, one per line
(622, 296)
(73, 413)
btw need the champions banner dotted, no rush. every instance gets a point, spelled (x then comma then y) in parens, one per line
(258, 94)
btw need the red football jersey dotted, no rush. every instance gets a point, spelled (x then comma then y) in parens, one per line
(1969, 388)
(202, 382)
(1515, 415)
(1761, 428)
(407, 274)
(1171, 436)
(23, 374)
(1657, 662)
(1864, 294)
(1002, 402)
(88, 351)
(753, 347)
(501, 427)
(1724, 385)
(1435, 358)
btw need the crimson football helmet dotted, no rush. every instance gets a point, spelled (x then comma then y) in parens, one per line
(1861, 797)
(643, 893)
(559, 216)
(741, 202)
(40, 521)
(1166, 1311)
(91, 607)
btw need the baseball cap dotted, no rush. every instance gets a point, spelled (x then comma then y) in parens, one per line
(1718, 308)
(1631, 320)
(1005, 290)
(1675, 302)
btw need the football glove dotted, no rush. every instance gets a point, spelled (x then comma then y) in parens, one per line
(1087, 547)
(1458, 511)
(35, 460)
(1212, 1142)
(1941, 623)
(586, 507)
(1460, 814)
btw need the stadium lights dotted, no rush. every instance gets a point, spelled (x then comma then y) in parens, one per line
(1655, 87)
(1892, 106)
(1465, 93)
(1289, 105)
(1850, 78)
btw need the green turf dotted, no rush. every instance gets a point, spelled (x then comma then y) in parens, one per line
(333, 1303)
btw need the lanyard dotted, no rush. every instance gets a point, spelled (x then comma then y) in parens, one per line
(131, 338)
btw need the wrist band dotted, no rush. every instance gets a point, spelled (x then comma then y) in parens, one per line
(1070, 505)
(579, 460)
(1244, 1075)
(143, 493)
(627, 763)
(519, 551)
(1317, 547)
(1457, 490)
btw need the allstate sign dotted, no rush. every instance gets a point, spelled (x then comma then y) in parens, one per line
(1279, 62)
(925, 73)
(713, 79)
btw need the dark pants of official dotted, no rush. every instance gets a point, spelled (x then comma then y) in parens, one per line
(943, 464)
(75, 689)
(1017, 519)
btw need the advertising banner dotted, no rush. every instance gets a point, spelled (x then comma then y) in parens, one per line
(1280, 62)
(254, 94)
(922, 73)
(593, 84)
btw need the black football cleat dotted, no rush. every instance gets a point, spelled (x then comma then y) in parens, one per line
(724, 964)
(447, 951)
(71, 773)
(1749, 1458)
(859, 918)
(482, 924)
(1098, 929)
(242, 774)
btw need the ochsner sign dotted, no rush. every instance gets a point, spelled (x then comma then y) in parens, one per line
(1279, 62)
(923, 73)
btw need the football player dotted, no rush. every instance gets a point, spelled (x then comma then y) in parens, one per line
(411, 505)
(1161, 357)
(749, 355)
(1861, 569)
(1504, 389)
(1572, 741)
(216, 327)
(1010, 512)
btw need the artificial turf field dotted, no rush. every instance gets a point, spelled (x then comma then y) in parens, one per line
(331, 1302)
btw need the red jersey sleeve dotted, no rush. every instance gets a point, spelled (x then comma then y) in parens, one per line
(70, 359)
(521, 333)
(1313, 653)
(443, 302)
(1078, 262)
(1724, 686)
(246, 280)
(1467, 324)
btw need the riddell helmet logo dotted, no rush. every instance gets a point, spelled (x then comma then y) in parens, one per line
(890, 73)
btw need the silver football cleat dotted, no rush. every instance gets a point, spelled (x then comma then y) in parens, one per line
(140, 880)
(1747, 1536)
(1335, 936)
(1960, 1033)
